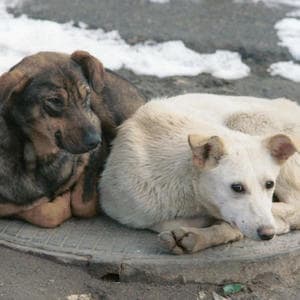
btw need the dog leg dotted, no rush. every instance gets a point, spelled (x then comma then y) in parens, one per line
(281, 211)
(191, 239)
(287, 216)
(79, 207)
(8, 209)
(50, 214)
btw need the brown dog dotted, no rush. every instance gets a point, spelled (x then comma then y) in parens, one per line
(59, 116)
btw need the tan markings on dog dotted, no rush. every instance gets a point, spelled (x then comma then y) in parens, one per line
(82, 209)
(12, 209)
(51, 214)
(42, 145)
(77, 174)
(36, 112)
(84, 91)
(42, 134)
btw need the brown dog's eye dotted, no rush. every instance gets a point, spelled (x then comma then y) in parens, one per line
(56, 101)
(53, 106)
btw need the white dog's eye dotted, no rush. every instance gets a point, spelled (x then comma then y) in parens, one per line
(269, 184)
(238, 188)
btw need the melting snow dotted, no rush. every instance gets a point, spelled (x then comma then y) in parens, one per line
(159, 1)
(286, 69)
(292, 3)
(288, 31)
(22, 36)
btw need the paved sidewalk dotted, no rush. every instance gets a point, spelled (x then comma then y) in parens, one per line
(134, 255)
(101, 252)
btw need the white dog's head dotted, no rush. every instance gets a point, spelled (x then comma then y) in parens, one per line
(236, 176)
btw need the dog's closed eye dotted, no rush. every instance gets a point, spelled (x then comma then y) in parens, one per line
(53, 106)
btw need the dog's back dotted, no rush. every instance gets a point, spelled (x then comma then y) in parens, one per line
(148, 176)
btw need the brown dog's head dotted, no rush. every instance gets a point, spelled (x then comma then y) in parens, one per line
(48, 97)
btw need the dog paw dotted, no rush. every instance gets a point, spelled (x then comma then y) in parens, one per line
(281, 226)
(179, 241)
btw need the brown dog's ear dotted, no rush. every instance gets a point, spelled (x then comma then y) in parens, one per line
(92, 69)
(206, 151)
(11, 84)
(281, 147)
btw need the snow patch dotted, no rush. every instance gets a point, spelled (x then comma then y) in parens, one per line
(291, 3)
(23, 36)
(173, 58)
(288, 31)
(159, 1)
(286, 69)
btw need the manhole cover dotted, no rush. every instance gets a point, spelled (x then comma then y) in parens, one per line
(109, 248)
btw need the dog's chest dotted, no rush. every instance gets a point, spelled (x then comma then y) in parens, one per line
(61, 171)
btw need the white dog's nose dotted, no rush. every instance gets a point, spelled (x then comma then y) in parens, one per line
(266, 232)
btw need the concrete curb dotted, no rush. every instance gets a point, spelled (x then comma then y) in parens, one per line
(109, 249)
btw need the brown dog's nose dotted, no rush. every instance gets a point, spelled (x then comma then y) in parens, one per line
(91, 140)
(266, 232)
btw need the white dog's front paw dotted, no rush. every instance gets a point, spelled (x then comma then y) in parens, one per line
(179, 241)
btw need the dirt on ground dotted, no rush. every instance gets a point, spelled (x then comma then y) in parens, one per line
(28, 277)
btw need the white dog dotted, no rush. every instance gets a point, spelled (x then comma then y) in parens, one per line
(180, 164)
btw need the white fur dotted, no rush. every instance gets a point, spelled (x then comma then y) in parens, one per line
(150, 178)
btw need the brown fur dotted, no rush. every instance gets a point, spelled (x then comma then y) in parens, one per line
(49, 214)
(53, 104)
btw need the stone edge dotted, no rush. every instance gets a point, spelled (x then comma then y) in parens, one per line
(169, 270)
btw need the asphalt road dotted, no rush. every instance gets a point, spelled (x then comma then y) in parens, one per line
(27, 277)
(204, 25)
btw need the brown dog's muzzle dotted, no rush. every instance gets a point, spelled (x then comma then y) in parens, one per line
(91, 140)
(78, 141)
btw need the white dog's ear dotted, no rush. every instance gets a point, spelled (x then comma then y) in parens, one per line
(206, 151)
(281, 147)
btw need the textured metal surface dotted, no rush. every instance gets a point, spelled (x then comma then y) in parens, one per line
(137, 254)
